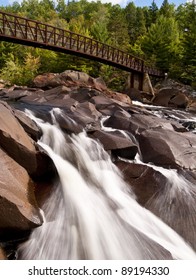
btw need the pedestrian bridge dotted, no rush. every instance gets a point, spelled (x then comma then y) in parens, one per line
(28, 32)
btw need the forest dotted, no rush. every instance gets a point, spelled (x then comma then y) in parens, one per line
(165, 37)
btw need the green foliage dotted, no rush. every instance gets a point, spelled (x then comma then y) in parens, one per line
(165, 37)
(118, 28)
(153, 11)
(189, 46)
(167, 10)
(162, 42)
(17, 73)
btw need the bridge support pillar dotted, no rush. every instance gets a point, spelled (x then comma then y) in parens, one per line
(140, 81)
(135, 80)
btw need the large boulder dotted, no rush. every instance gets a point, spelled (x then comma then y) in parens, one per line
(168, 148)
(179, 101)
(18, 207)
(18, 145)
(29, 125)
(171, 97)
(117, 143)
(67, 78)
(47, 80)
(14, 140)
(165, 193)
(143, 180)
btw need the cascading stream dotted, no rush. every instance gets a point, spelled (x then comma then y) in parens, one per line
(92, 213)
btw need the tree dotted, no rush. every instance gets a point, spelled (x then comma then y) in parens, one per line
(167, 10)
(161, 43)
(189, 45)
(140, 25)
(131, 18)
(98, 24)
(153, 11)
(18, 73)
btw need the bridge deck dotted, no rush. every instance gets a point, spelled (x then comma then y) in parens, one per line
(24, 31)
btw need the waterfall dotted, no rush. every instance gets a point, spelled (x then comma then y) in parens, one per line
(92, 213)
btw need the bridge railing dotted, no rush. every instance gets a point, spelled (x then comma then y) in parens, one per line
(16, 27)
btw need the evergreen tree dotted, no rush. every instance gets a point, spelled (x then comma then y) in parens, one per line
(167, 10)
(161, 43)
(131, 18)
(140, 25)
(118, 29)
(153, 10)
(189, 45)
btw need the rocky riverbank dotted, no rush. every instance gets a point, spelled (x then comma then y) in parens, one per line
(161, 136)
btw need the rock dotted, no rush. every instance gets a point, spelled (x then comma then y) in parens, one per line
(117, 143)
(134, 94)
(136, 123)
(76, 76)
(162, 98)
(178, 127)
(169, 196)
(14, 95)
(67, 78)
(168, 148)
(189, 125)
(18, 207)
(83, 94)
(19, 146)
(2, 254)
(67, 122)
(29, 125)
(15, 141)
(56, 92)
(179, 101)
(47, 80)
(143, 180)
(123, 98)
(86, 114)
(99, 84)
(118, 122)
(192, 107)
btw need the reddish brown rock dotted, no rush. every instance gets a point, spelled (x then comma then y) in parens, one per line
(117, 143)
(18, 207)
(179, 101)
(18, 145)
(168, 148)
(2, 254)
(29, 125)
(46, 80)
(162, 98)
(99, 84)
(192, 107)
(144, 180)
(15, 141)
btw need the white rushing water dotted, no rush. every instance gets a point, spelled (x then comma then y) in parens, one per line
(92, 213)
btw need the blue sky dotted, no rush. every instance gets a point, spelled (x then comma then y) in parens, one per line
(121, 2)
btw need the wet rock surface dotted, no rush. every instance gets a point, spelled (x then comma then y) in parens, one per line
(162, 136)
